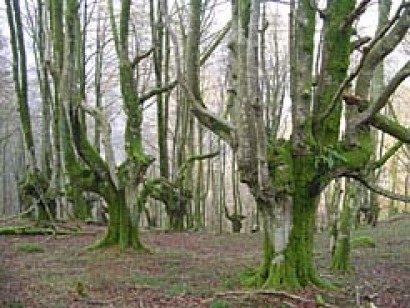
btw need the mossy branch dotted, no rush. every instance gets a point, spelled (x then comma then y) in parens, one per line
(379, 163)
(368, 57)
(391, 127)
(383, 98)
(138, 58)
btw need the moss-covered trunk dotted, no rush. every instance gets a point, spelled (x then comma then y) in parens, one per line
(297, 267)
(288, 235)
(121, 229)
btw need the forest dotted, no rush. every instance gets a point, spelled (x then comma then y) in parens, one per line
(204, 153)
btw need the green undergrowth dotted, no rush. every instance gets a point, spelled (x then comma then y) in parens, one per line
(219, 303)
(29, 247)
(362, 241)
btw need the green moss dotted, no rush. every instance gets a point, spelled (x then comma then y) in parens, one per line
(29, 247)
(219, 303)
(362, 241)
(252, 277)
(341, 255)
(307, 31)
(295, 267)
(280, 165)
(358, 155)
(244, 14)
(338, 49)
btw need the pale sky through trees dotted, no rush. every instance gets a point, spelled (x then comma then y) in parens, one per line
(366, 26)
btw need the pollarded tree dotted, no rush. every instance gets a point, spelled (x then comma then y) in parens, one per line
(85, 167)
(316, 152)
(287, 176)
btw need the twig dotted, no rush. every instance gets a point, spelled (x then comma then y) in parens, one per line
(355, 14)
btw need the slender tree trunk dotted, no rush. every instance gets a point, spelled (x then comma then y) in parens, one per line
(341, 251)
(20, 77)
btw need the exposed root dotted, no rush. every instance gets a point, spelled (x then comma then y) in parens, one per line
(108, 242)
(278, 279)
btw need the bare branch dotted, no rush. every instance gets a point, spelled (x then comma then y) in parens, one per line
(381, 191)
(211, 48)
(355, 14)
(397, 27)
(157, 91)
(360, 42)
(139, 58)
(383, 99)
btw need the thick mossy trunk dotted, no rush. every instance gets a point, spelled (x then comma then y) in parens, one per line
(295, 268)
(288, 238)
(121, 230)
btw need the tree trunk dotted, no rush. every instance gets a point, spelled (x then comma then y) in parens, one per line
(121, 230)
(341, 250)
(296, 268)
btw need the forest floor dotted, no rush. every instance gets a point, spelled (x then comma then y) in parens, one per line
(191, 270)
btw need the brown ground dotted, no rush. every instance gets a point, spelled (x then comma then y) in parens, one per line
(190, 270)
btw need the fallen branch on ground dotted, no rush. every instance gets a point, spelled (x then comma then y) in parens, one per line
(280, 294)
(35, 230)
(96, 301)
